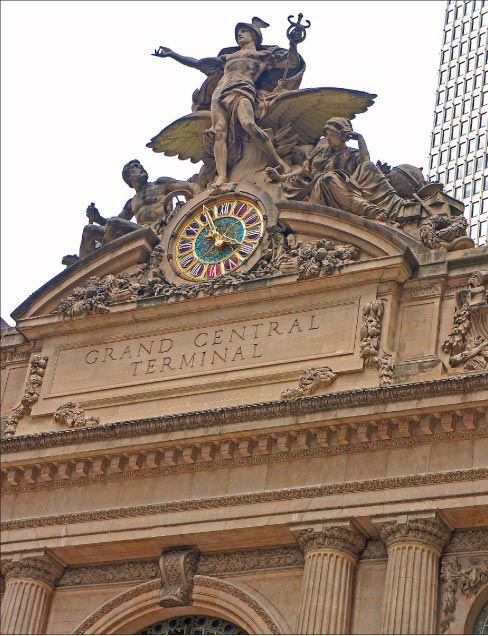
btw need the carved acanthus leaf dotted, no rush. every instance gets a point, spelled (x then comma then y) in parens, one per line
(347, 540)
(429, 532)
(40, 568)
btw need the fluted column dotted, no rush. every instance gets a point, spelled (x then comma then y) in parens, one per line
(330, 562)
(29, 584)
(412, 575)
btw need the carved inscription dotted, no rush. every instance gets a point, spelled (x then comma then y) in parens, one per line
(308, 335)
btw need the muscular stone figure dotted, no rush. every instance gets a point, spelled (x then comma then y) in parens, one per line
(147, 206)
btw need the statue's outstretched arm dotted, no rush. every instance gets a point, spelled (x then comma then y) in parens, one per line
(206, 65)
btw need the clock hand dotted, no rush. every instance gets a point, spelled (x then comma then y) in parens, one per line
(207, 213)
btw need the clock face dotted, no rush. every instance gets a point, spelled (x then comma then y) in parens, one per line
(218, 239)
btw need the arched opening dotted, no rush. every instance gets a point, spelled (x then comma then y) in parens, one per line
(193, 624)
(477, 617)
(481, 623)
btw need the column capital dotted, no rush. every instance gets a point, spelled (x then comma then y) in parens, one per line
(39, 566)
(341, 537)
(428, 531)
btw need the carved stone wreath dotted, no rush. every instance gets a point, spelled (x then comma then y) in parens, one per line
(438, 231)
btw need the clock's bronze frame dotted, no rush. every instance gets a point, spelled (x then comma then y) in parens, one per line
(251, 192)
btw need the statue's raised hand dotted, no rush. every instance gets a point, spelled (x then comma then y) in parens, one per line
(162, 51)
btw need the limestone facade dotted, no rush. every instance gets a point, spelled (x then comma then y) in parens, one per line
(266, 404)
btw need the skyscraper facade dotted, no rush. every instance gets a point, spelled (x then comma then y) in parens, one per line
(458, 155)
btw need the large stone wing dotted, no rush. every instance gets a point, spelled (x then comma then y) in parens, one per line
(308, 109)
(183, 138)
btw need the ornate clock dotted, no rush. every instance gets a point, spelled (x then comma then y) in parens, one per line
(214, 236)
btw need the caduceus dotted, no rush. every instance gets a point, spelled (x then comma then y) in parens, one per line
(296, 33)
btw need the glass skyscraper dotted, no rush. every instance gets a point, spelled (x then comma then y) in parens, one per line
(458, 155)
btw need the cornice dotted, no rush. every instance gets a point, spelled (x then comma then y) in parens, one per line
(226, 501)
(374, 397)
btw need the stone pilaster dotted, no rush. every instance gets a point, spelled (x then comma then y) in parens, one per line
(29, 585)
(412, 575)
(330, 561)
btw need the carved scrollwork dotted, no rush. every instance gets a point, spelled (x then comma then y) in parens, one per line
(455, 579)
(178, 567)
(32, 390)
(71, 416)
(310, 382)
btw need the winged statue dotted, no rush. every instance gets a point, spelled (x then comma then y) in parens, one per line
(251, 96)
(304, 110)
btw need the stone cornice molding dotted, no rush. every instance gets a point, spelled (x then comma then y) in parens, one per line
(223, 501)
(39, 568)
(308, 405)
(429, 532)
(178, 568)
(339, 538)
(363, 435)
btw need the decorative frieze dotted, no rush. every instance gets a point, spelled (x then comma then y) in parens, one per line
(210, 564)
(471, 540)
(32, 390)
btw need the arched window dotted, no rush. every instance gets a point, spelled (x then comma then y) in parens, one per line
(481, 625)
(193, 625)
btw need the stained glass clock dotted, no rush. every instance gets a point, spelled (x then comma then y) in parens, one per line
(217, 238)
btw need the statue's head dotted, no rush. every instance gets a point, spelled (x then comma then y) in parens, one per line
(339, 125)
(133, 169)
(254, 29)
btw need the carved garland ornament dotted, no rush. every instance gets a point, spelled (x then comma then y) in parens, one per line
(71, 416)
(321, 258)
(369, 345)
(310, 382)
(455, 578)
(32, 391)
